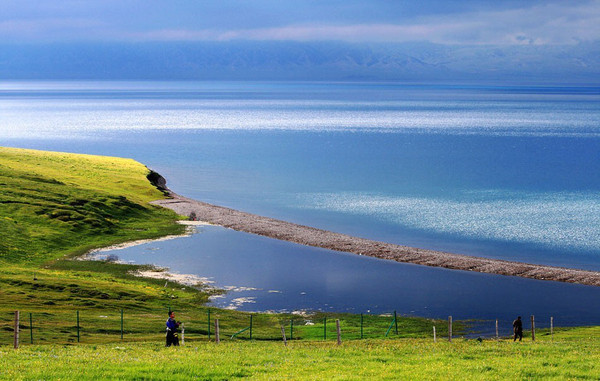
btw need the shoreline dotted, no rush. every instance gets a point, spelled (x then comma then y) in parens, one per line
(124, 245)
(309, 236)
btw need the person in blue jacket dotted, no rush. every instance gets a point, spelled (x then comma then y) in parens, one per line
(172, 325)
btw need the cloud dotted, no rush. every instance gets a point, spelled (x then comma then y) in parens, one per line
(546, 23)
(24, 29)
(563, 23)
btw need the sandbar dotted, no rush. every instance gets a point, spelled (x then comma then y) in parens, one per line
(306, 235)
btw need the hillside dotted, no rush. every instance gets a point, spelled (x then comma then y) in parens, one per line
(56, 204)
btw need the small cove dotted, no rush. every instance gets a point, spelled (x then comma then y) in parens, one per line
(264, 274)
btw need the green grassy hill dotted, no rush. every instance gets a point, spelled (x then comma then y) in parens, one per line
(57, 204)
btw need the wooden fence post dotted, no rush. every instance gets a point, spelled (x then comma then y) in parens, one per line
(182, 334)
(17, 316)
(217, 333)
(361, 326)
(532, 328)
(434, 335)
(283, 335)
(552, 327)
(209, 324)
(339, 332)
(250, 327)
(496, 329)
(450, 328)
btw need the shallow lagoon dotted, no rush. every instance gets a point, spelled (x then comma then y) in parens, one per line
(267, 274)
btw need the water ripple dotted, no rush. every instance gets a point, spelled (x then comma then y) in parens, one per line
(557, 220)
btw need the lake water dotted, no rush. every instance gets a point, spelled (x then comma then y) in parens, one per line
(501, 171)
(262, 274)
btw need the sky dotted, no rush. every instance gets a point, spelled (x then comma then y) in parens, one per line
(463, 22)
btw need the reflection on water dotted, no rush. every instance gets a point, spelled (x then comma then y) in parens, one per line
(263, 274)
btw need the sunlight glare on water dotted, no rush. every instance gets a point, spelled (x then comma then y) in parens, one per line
(556, 220)
(43, 110)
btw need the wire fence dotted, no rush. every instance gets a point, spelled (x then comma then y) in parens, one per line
(104, 326)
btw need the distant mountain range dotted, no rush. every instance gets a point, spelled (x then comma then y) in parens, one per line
(243, 60)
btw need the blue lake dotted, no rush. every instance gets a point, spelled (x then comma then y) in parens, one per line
(502, 171)
(264, 274)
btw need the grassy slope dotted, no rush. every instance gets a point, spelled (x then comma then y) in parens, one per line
(56, 205)
(573, 354)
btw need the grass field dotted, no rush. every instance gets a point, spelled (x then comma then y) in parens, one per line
(57, 204)
(572, 354)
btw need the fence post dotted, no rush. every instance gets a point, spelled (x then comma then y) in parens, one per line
(532, 328)
(324, 328)
(250, 326)
(283, 335)
(361, 325)
(552, 327)
(78, 336)
(292, 329)
(121, 324)
(182, 333)
(31, 327)
(217, 337)
(396, 321)
(209, 324)
(450, 328)
(17, 316)
(339, 332)
(496, 329)
(434, 335)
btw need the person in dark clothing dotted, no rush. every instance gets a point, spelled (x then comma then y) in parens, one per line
(172, 325)
(518, 329)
